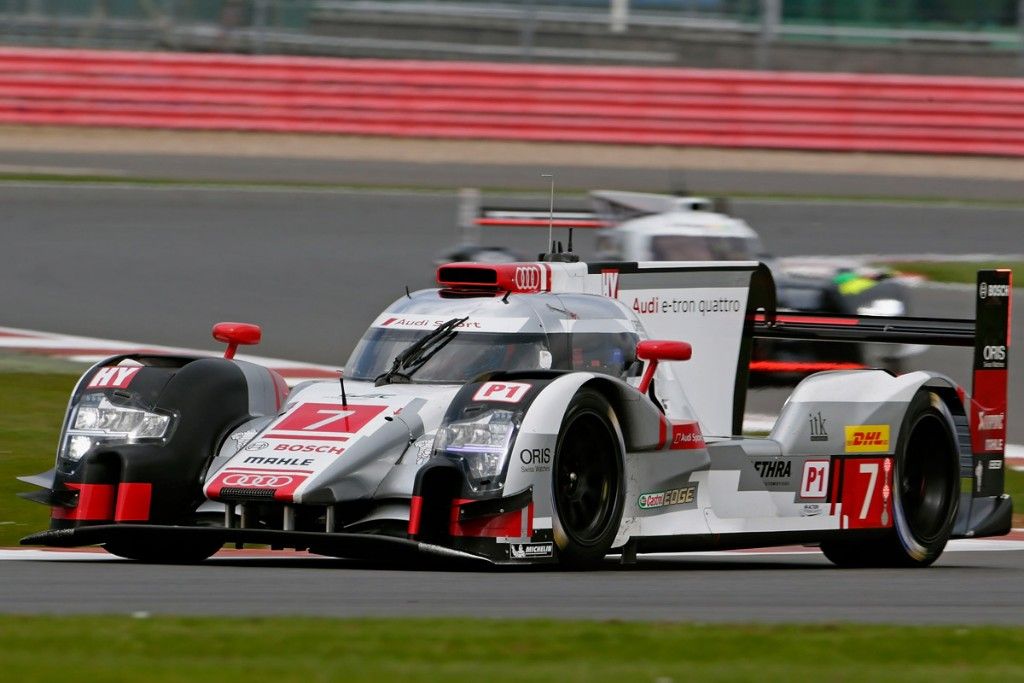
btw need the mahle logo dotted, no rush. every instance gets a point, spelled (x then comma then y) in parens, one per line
(867, 438)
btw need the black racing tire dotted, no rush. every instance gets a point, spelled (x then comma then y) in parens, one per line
(925, 496)
(160, 551)
(587, 481)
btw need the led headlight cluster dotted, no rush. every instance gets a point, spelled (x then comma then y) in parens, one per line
(481, 443)
(105, 422)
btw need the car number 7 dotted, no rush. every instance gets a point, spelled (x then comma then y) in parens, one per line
(870, 468)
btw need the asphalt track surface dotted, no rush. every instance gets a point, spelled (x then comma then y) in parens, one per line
(962, 588)
(161, 265)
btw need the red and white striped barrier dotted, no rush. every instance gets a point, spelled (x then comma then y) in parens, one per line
(536, 102)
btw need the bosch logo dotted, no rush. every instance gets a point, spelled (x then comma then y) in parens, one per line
(527, 278)
(994, 353)
(265, 481)
(986, 290)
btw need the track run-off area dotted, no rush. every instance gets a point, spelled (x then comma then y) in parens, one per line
(159, 264)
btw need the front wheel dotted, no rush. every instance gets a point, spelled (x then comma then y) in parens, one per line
(587, 481)
(925, 497)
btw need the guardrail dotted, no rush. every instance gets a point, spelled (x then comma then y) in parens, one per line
(629, 105)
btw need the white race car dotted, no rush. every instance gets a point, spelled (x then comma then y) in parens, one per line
(641, 226)
(550, 411)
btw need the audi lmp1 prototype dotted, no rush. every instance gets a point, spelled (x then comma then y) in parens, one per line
(544, 412)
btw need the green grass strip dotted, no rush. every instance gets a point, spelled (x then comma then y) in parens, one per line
(953, 271)
(32, 408)
(313, 650)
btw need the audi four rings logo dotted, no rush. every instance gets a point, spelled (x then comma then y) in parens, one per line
(268, 481)
(527, 277)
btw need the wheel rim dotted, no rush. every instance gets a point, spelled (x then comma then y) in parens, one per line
(585, 478)
(925, 479)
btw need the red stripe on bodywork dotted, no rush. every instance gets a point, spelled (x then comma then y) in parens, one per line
(988, 409)
(303, 437)
(415, 514)
(133, 502)
(686, 436)
(508, 524)
(801, 366)
(281, 389)
(810, 320)
(541, 222)
(95, 503)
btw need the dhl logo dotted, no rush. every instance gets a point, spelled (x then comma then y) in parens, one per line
(867, 438)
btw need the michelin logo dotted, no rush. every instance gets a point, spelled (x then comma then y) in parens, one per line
(526, 551)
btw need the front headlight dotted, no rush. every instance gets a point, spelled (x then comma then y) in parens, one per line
(882, 307)
(481, 443)
(104, 422)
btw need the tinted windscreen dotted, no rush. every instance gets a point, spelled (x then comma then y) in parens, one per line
(470, 354)
(467, 355)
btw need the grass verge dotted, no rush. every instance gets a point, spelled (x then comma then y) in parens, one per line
(32, 407)
(952, 271)
(308, 650)
(1014, 485)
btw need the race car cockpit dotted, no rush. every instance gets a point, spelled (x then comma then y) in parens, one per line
(539, 332)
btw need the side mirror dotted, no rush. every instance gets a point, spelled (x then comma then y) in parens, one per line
(655, 350)
(234, 334)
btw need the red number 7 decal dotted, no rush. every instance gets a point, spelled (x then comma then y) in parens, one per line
(324, 421)
(866, 492)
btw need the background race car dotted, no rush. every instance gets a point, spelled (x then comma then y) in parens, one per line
(635, 226)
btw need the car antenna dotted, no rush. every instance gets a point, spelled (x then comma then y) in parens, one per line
(551, 210)
(556, 252)
(504, 299)
(344, 398)
(407, 294)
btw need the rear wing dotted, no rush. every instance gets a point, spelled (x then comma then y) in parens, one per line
(608, 208)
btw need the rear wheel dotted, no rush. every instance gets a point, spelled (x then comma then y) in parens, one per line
(587, 481)
(925, 494)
